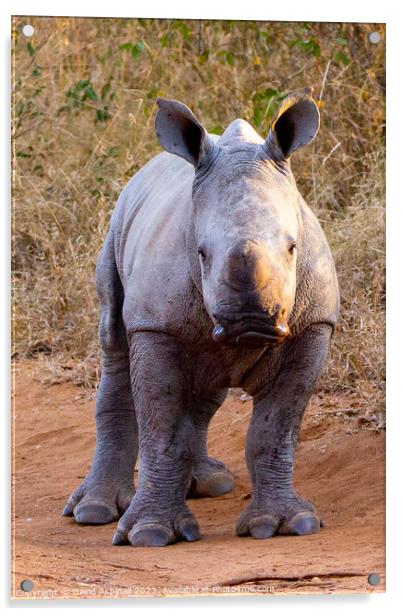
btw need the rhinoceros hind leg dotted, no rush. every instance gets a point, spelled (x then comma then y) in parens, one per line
(210, 477)
(109, 486)
(100, 503)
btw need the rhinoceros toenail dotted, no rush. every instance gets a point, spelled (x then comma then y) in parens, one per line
(189, 531)
(150, 537)
(262, 531)
(94, 514)
(118, 538)
(305, 524)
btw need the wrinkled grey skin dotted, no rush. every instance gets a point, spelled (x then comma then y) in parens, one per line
(214, 274)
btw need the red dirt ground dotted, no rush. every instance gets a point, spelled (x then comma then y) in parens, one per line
(340, 467)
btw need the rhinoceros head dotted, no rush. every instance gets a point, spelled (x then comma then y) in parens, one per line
(246, 221)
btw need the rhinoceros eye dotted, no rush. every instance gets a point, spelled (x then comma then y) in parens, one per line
(292, 247)
(202, 254)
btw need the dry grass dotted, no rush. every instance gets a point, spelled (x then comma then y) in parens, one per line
(84, 104)
(358, 244)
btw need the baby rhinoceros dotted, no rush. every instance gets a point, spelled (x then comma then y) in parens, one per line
(214, 274)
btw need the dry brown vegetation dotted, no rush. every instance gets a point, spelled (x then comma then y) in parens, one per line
(83, 112)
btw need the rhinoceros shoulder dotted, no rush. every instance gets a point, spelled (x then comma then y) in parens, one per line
(317, 295)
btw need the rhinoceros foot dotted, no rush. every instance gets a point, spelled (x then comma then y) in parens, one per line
(210, 477)
(98, 502)
(143, 529)
(288, 516)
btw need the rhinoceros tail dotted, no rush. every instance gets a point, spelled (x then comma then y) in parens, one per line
(112, 334)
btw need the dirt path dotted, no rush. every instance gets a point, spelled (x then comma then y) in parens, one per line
(339, 467)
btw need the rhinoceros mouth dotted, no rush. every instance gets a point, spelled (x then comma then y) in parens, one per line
(245, 334)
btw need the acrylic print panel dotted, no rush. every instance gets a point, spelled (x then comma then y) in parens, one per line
(84, 107)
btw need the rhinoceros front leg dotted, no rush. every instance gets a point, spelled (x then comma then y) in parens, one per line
(158, 514)
(275, 507)
(209, 477)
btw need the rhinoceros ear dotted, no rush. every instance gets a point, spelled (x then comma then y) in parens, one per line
(179, 131)
(295, 124)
